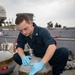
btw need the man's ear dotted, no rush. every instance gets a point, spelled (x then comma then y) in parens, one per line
(31, 23)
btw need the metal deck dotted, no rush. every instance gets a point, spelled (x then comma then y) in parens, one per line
(67, 72)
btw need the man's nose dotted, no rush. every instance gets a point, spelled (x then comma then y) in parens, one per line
(23, 31)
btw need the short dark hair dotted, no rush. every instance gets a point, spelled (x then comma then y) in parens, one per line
(22, 17)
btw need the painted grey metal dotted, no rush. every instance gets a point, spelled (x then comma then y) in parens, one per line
(10, 32)
(62, 33)
(10, 69)
(2, 14)
(4, 57)
(34, 60)
(68, 43)
(24, 70)
(10, 35)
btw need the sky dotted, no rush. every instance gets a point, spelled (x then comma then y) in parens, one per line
(57, 11)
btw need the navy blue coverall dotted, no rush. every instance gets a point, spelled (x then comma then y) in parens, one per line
(41, 39)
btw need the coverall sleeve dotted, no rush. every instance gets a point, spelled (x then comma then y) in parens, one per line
(21, 41)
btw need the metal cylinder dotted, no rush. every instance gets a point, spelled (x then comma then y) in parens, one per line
(24, 70)
(47, 71)
(7, 63)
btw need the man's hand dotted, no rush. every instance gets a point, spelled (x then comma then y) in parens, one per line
(36, 67)
(26, 60)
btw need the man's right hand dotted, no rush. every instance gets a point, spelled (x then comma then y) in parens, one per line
(25, 60)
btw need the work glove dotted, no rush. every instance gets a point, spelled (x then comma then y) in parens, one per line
(25, 60)
(36, 67)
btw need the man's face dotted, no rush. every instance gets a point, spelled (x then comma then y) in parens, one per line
(25, 28)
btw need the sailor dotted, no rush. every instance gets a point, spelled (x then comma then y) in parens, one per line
(43, 45)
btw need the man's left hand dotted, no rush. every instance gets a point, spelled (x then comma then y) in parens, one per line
(36, 67)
